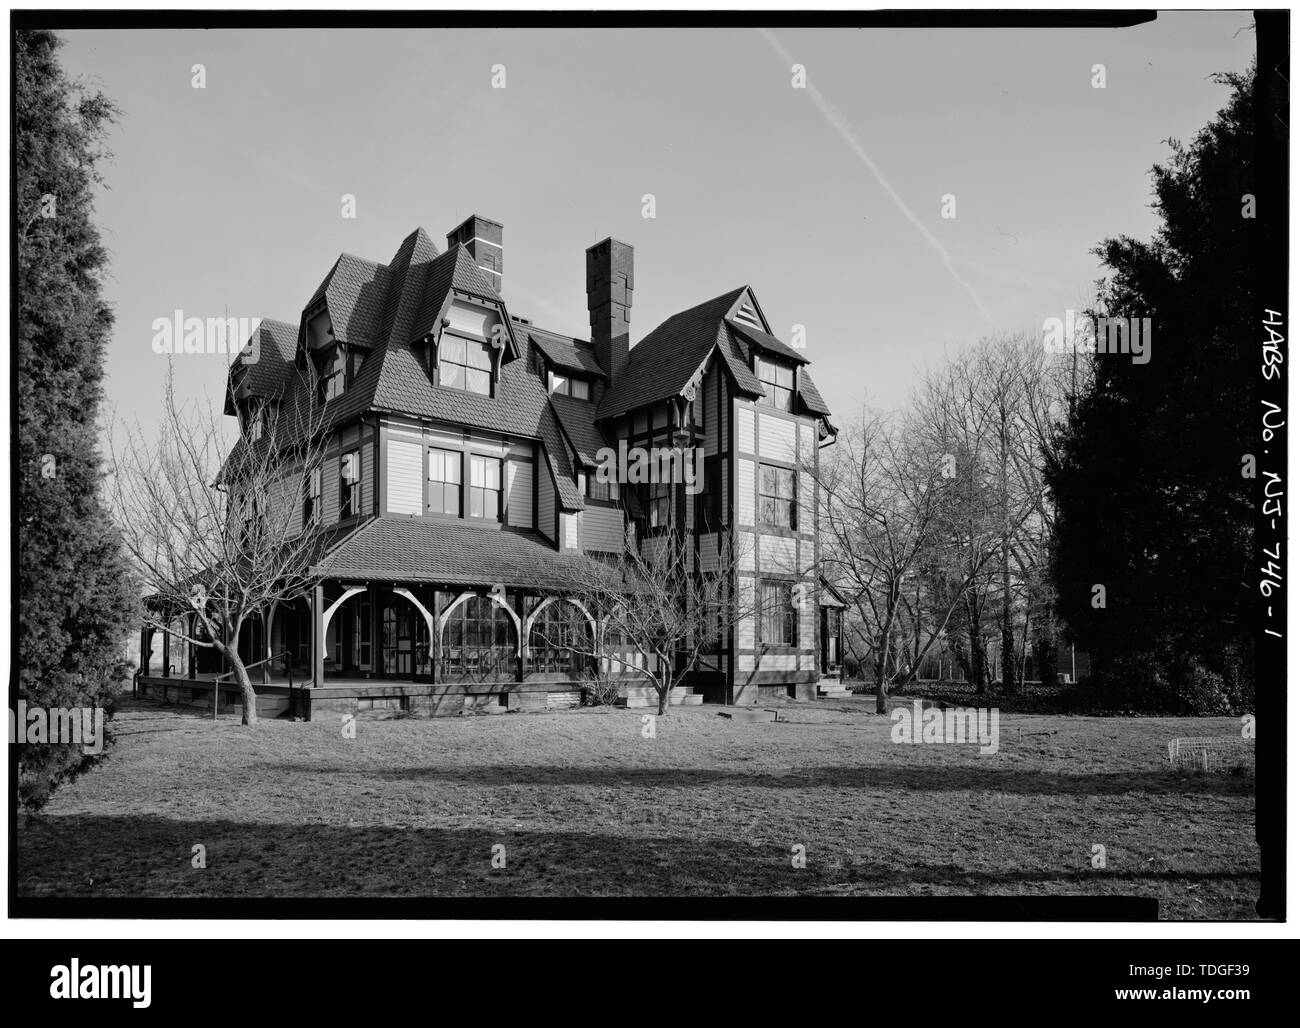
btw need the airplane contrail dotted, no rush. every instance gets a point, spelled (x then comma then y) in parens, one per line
(841, 125)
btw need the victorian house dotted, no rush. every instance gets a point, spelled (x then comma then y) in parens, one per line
(458, 505)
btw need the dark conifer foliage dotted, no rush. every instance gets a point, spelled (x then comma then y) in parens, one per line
(76, 602)
(1153, 505)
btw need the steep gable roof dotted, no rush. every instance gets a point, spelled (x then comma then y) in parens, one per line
(754, 338)
(810, 396)
(354, 291)
(661, 364)
(272, 370)
(578, 419)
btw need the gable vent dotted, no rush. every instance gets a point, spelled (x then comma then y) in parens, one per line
(746, 314)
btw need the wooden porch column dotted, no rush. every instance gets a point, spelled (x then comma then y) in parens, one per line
(167, 653)
(522, 641)
(194, 650)
(318, 636)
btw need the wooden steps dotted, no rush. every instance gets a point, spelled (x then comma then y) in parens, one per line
(833, 688)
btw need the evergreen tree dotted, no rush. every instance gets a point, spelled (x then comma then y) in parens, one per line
(1148, 478)
(76, 603)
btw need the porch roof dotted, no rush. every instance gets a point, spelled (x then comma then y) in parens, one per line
(399, 549)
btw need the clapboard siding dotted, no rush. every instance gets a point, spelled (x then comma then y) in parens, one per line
(602, 529)
(709, 552)
(368, 475)
(776, 437)
(745, 428)
(777, 554)
(805, 502)
(546, 499)
(405, 478)
(805, 440)
(519, 483)
(745, 487)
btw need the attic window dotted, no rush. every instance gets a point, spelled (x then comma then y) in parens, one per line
(778, 381)
(465, 364)
(567, 385)
(746, 314)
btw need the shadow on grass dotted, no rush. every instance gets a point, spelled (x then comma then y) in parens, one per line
(148, 856)
(967, 778)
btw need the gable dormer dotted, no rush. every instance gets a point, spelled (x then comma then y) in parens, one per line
(472, 342)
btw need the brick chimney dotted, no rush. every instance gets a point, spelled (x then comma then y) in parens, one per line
(609, 303)
(482, 238)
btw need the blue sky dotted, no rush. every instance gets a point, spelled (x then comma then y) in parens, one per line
(227, 199)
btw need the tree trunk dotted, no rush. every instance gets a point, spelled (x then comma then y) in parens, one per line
(664, 687)
(248, 697)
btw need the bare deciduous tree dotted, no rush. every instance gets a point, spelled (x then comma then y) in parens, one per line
(660, 614)
(212, 529)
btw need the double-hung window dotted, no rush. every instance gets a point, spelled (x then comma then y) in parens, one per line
(484, 487)
(465, 364)
(776, 497)
(444, 482)
(311, 498)
(778, 620)
(350, 485)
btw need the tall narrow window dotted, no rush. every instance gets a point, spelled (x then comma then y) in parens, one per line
(776, 502)
(311, 498)
(778, 618)
(484, 487)
(465, 364)
(660, 495)
(350, 485)
(333, 368)
(778, 380)
(444, 482)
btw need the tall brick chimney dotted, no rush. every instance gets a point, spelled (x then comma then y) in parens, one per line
(609, 303)
(482, 238)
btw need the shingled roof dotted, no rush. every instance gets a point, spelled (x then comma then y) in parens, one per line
(756, 338)
(428, 550)
(661, 364)
(355, 291)
(271, 372)
(564, 352)
(578, 419)
(391, 308)
(810, 396)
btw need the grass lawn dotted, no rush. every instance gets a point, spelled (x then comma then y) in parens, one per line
(586, 806)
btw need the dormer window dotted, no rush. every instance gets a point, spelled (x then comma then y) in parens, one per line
(568, 385)
(254, 417)
(465, 364)
(778, 381)
(337, 363)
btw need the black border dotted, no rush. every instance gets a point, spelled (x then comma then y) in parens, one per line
(1273, 48)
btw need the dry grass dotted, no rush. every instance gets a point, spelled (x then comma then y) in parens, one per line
(585, 806)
